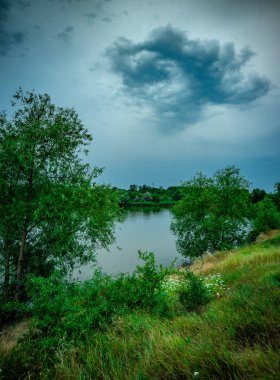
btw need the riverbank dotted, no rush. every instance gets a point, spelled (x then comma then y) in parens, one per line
(234, 336)
(149, 196)
(144, 204)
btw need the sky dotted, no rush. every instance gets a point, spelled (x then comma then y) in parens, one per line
(167, 88)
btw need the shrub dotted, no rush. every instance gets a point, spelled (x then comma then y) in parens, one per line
(67, 310)
(11, 311)
(193, 292)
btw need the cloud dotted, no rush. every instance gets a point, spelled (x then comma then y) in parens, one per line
(177, 78)
(22, 4)
(107, 19)
(68, 1)
(95, 66)
(66, 35)
(8, 39)
(4, 10)
(90, 16)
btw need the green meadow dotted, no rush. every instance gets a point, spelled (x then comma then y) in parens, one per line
(133, 332)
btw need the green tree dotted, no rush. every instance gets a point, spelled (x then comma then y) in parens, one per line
(133, 188)
(174, 193)
(276, 195)
(212, 213)
(257, 195)
(191, 216)
(266, 216)
(52, 212)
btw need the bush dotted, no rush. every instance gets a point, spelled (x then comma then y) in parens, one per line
(252, 236)
(68, 310)
(193, 292)
(11, 311)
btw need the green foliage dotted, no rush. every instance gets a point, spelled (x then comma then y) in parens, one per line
(212, 214)
(11, 311)
(215, 284)
(64, 309)
(149, 278)
(266, 216)
(193, 292)
(273, 242)
(235, 337)
(276, 195)
(52, 212)
(149, 196)
(257, 195)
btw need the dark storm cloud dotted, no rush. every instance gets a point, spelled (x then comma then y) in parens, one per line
(24, 4)
(4, 11)
(7, 39)
(67, 1)
(178, 77)
(66, 34)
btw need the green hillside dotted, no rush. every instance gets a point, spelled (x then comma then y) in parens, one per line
(234, 336)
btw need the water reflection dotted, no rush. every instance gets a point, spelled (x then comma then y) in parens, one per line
(143, 229)
(146, 212)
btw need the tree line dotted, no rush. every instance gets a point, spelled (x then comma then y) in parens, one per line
(145, 195)
(137, 195)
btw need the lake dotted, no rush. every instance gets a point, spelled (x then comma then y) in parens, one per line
(146, 229)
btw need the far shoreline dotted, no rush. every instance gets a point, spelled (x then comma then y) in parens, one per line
(148, 204)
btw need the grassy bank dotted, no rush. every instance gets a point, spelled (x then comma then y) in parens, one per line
(234, 336)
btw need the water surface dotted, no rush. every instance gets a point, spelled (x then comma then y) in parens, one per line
(144, 229)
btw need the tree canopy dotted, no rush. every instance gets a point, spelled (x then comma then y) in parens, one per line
(212, 214)
(53, 214)
(266, 216)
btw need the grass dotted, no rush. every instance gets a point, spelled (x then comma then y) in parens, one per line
(235, 336)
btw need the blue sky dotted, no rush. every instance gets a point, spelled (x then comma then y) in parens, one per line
(166, 88)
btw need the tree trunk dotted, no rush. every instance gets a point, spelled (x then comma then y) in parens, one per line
(6, 285)
(21, 262)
